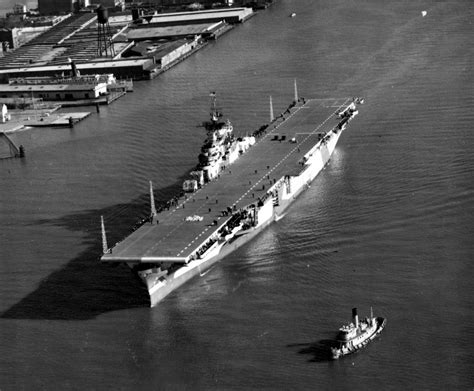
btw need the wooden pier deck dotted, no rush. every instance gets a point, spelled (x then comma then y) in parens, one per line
(62, 119)
(42, 119)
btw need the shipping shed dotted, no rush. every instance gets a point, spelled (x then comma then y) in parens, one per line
(228, 15)
(142, 33)
(54, 91)
(164, 53)
(135, 69)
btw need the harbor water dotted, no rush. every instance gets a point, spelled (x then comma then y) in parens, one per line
(387, 224)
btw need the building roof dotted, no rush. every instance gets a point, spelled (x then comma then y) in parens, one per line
(67, 67)
(50, 87)
(158, 49)
(157, 32)
(221, 13)
(218, 14)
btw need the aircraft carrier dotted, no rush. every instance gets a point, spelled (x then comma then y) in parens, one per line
(228, 207)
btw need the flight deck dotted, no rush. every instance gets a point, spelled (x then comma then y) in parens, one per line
(173, 235)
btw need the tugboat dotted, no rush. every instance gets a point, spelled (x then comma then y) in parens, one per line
(357, 334)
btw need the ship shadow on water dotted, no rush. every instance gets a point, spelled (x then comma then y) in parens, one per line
(318, 351)
(84, 288)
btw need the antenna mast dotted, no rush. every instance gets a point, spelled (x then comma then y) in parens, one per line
(152, 200)
(214, 112)
(296, 92)
(271, 110)
(105, 247)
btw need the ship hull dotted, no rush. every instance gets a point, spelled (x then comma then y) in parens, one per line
(318, 160)
(158, 292)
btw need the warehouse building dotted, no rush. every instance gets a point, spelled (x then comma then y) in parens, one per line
(57, 92)
(165, 53)
(135, 69)
(205, 30)
(228, 15)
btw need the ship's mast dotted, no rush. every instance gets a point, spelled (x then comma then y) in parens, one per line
(213, 124)
(215, 114)
(271, 110)
(105, 247)
(296, 92)
(152, 201)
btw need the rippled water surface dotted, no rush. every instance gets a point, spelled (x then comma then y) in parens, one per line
(387, 224)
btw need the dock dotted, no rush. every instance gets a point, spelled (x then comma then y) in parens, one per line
(29, 118)
(279, 150)
(103, 100)
(61, 120)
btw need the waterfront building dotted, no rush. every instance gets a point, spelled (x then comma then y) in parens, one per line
(157, 32)
(173, 37)
(55, 92)
(228, 15)
(163, 54)
(135, 69)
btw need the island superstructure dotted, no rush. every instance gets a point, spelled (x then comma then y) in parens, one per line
(227, 203)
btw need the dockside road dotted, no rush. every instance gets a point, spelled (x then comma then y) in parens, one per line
(278, 152)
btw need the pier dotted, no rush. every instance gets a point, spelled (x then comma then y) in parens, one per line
(57, 120)
(30, 118)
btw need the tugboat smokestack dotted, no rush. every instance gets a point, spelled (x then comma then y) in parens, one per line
(355, 317)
